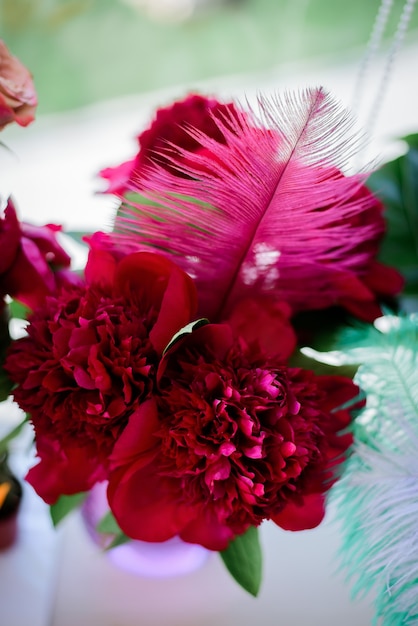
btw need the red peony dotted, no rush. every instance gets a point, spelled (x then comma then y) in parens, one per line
(233, 438)
(359, 281)
(89, 360)
(32, 263)
(170, 136)
(18, 99)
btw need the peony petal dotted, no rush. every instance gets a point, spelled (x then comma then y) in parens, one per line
(178, 307)
(9, 236)
(18, 98)
(267, 321)
(118, 176)
(46, 240)
(303, 516)
(101, 265)
(60, 471)
(384, 280)
(138, 435)
(338, 391)
(366, 311)
(30, 278)
(208, 531)
(147, 506)
(144, 275)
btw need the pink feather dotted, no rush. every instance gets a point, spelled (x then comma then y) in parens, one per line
(269, 213)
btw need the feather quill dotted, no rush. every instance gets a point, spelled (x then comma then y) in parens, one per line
(377, 498)
(267, 213)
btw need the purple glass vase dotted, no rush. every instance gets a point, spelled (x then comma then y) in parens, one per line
(153, 560)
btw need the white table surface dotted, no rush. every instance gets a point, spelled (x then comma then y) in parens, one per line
(60, 578)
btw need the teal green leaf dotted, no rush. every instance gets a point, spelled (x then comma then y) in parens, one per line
(186, 330)
(377, 497)
(396, 184)
(243, 559)
(64, 505)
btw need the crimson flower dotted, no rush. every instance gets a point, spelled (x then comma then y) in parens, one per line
(172, 135)
(32, 264)
(18, 98)
(89, 359)
(233, 438)
(360, 281)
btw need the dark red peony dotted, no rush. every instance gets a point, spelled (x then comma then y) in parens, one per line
(171, 136)
(33, 263)
(89, 359)
(232, 439)
(18, 98)
(355, 279)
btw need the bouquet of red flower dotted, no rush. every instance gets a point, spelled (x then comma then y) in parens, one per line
(172, 367)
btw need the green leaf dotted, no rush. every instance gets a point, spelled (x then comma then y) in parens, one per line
(64, 505)
(5, 385)
(5, 339)
(320, 329)
(18, 310)
(396, 184)
(4, 443)
(77, 235)
(243, 559)
(153, 206)
(299, 359)
(118, 540)
(108, 525)
(186, 330)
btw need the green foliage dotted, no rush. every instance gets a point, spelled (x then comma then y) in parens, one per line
(153, 206)
(64, 505)
(186, 330)
(109, 526)
(20, 14)
(396, 184)
(18, 310)
(77, 235)
(5, 383)
(118, 540)
(299, 359)
(243, 559)
(65, 43)
(4, 443)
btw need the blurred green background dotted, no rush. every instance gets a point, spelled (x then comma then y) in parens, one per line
(82, 51)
